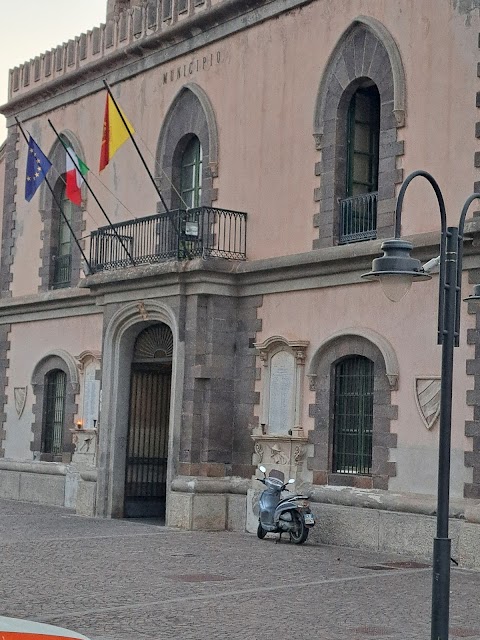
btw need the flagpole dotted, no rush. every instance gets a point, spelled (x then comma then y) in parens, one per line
(119, 111)
(93, 194)
(60, 207)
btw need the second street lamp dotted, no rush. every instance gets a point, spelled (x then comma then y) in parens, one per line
(396, 270)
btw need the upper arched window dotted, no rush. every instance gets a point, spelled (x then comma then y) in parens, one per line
(358, 210)
(360, 107)
(61, 257)
(191, 174)
(187, 151)
(62, 241)
(363, 132)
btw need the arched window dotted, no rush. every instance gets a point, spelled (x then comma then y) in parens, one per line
(358, 215)
(62, 242)
(54, 416)
(363, 129)
(61, 258)
(191, 174)
(353, 416)
(187, 151)
(363, 77)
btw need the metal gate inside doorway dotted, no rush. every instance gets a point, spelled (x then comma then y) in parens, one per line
(147, 446)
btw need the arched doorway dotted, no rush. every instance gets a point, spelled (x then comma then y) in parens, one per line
(148, 423)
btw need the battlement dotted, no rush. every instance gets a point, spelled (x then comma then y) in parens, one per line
(130, 26)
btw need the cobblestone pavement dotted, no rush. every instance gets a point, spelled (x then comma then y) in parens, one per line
(123, 580)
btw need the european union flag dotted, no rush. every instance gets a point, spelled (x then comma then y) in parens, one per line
(37, 167)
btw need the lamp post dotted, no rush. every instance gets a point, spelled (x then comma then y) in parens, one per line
(396, 270)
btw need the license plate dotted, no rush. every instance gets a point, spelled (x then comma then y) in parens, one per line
(309, 519)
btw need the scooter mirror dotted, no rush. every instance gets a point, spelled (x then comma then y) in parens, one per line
(262, 469)
(291, 481)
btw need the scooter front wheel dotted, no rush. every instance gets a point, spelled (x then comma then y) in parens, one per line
(300, 532)
(261, 532)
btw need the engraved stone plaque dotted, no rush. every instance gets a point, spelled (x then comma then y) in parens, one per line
(91, 397)
(282, 381)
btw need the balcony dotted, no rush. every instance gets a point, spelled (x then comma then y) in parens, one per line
(178, 235)
(358, 218)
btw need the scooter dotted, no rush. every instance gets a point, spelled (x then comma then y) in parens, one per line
(278, 515)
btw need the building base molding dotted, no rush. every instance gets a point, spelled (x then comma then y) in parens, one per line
(208, 504)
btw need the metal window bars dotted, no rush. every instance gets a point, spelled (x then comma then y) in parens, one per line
(353, 416)
(358, 218)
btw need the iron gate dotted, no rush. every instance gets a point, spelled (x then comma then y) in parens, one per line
(147, 446)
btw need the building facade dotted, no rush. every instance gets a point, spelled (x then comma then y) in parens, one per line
(224, 322)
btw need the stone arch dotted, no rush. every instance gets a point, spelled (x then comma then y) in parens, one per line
(383, 345)
(365, 53)
(368, 344)
(57, 157)
(71, 367)
(190, 114)
(120, 335)
(62, 360)
(378, 30)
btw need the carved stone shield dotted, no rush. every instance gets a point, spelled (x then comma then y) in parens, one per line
(427, 397)
(20, 394)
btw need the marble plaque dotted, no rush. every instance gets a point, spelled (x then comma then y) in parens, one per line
(91, 397)
(282, 384)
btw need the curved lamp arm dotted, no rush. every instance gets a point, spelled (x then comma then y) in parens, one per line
(443, 219)
(461, 226)
(401, 195)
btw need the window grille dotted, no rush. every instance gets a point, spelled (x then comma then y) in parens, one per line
(56, 382)
(353, 416)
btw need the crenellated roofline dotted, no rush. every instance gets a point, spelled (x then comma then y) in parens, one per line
(138, 39)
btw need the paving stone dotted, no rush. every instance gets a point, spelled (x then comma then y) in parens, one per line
(124, 579)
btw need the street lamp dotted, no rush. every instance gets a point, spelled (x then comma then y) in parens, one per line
(396, 270)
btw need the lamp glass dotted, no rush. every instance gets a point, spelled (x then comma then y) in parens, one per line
(395, 286)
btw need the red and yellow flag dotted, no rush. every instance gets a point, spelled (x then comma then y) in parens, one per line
(115, 132)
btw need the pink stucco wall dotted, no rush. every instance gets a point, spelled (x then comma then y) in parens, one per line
(263, 93)
(73, 335)
(411, 328)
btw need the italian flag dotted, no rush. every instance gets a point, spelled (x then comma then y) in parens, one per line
(74, 177)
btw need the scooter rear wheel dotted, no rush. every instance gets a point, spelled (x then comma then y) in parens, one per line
(261, 533)
(300, 531)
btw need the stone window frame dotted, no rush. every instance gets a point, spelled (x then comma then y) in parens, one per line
(62, 360)
(365, 52)
(267, 349)
(48, 212)
(190, 114)
(370, 345)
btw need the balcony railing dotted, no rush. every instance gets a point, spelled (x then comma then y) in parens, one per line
(358, 218)
(177, 235)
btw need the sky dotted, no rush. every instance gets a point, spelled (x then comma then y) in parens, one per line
(30, 27)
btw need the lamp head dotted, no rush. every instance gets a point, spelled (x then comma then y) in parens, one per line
(475, 295)
(396, 269)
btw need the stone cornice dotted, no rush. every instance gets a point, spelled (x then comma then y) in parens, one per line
(334, 266)
(51, 304)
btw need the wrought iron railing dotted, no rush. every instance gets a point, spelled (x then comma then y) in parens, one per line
(62, 271)
(177, 235)
(358, 218)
